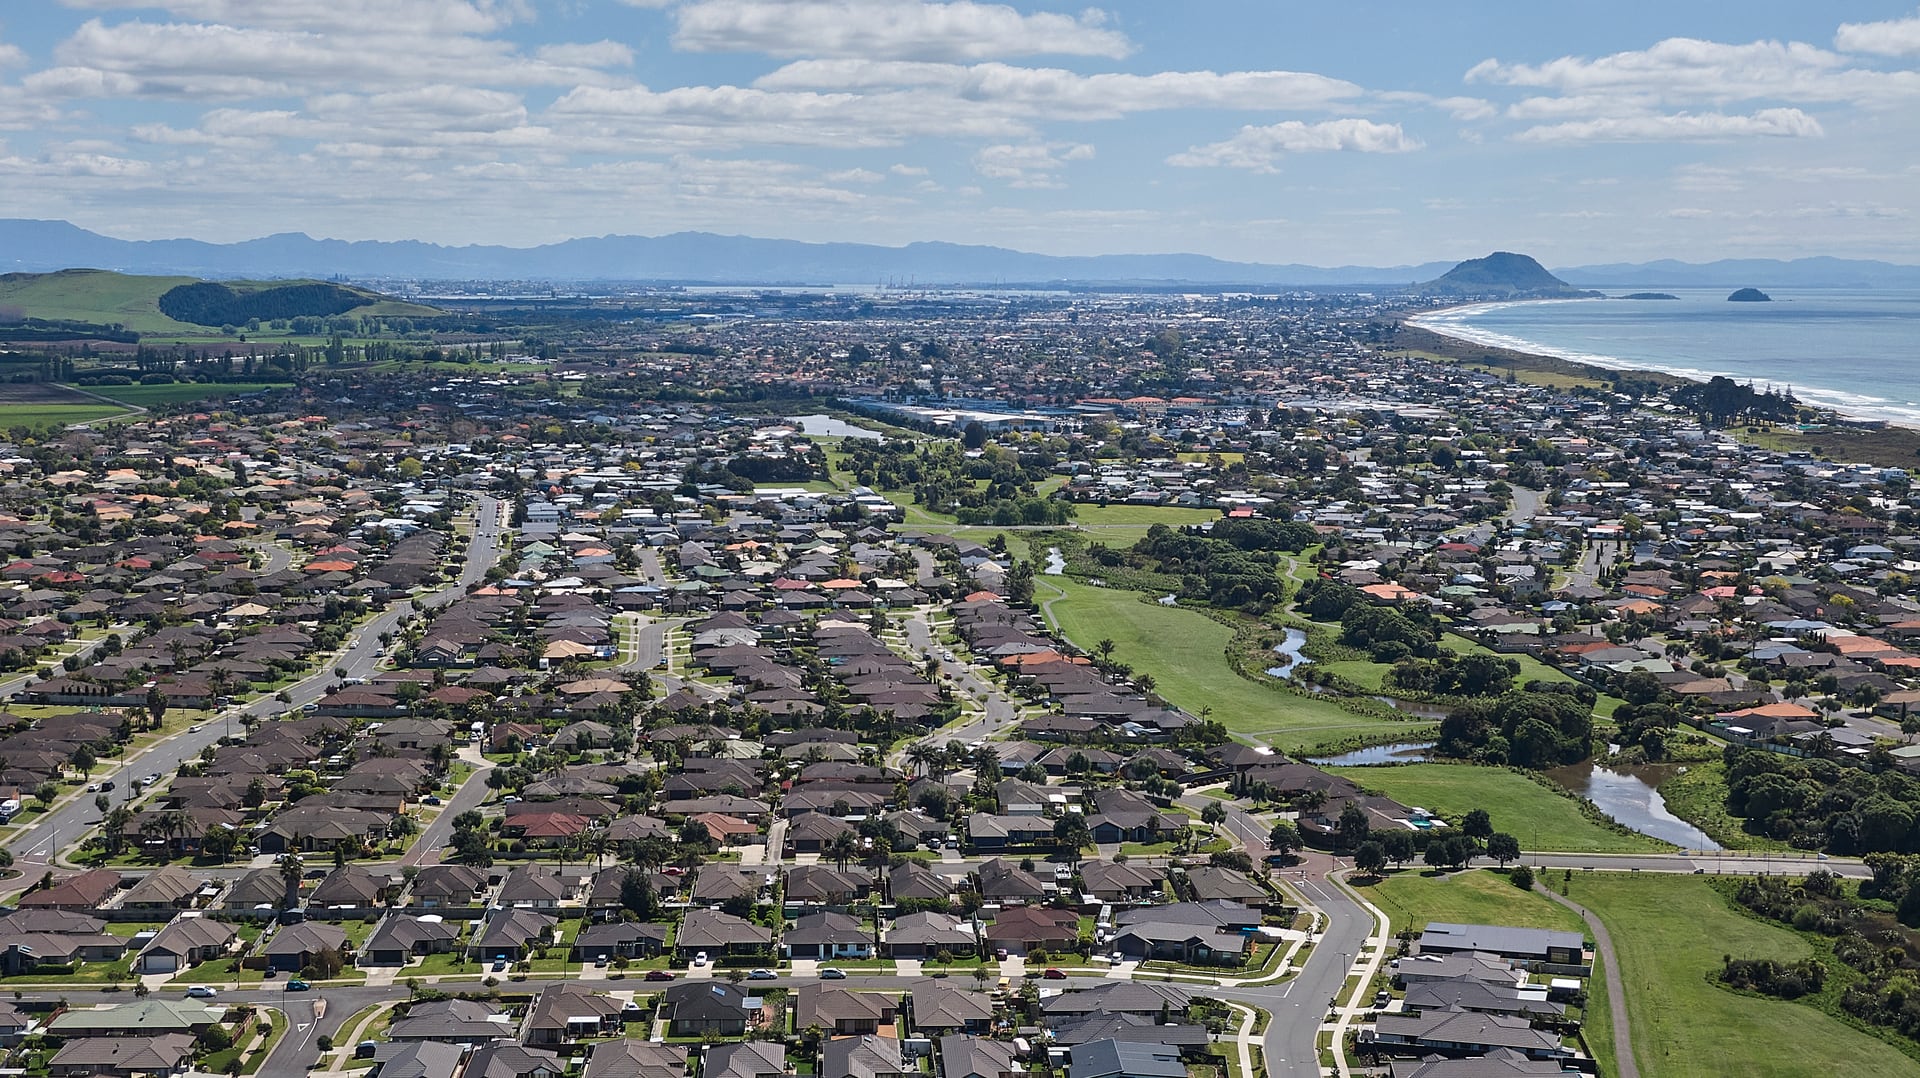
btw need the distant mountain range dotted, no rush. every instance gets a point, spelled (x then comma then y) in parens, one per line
(701, 257)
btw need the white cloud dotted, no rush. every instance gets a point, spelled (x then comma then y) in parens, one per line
(1034, 164)
(907, 170)
(588, 54)
(1055, 91)
(1679, 127)
(402, 17)
(1894, 37)
(1261, 148)
(1685, 70)
(217, 60)
(890, 29)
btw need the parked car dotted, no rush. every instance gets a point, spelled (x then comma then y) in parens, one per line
(1117, 958)
(201, 991)
(430, 799)
(298, 985)
(1054, 974)
(600, 962)
(762, 975)
(699, 960)
(832, 974)
(659, 975)
(499, 965)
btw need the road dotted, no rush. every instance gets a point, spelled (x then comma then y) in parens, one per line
(998, 711)
(35, 847)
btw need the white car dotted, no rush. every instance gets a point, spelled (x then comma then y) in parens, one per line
(699, 960)
(201, 991)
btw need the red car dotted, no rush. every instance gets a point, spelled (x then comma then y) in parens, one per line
(1055, 974)
(659, 975)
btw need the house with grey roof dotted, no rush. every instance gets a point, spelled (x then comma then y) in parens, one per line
(1526, 944)
(399, 940)
(965, 1056)
(866, 1056)
(455, 1021)
(1125, 1059)
(636, 1059)
(184, 942)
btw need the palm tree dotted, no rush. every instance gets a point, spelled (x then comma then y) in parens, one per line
(844, 849)
(290, 872)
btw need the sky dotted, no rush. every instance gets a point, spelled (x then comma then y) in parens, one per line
(1335, 133)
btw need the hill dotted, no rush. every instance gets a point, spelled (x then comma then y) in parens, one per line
(1500, 273)
(180, 305)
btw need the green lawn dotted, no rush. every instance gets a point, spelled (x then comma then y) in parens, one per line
(151, 396)
(1186, 653)
(1538, 817)
(1411, 899)
(43, 414)
(1671, 932)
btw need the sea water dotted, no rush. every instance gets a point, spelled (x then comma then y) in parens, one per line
(1856, 352)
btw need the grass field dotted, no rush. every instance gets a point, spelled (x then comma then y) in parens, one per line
(1411, 899)
(105, 298)
(1185, 652)
(40, 415)
(1671, 932)
(159, 396)
(1538, 817)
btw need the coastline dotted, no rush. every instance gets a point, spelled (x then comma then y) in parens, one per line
(1836, 436)
(1832, 405)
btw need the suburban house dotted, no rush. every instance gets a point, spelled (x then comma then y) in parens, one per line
(842, 1012)
(937, 1008)
(1522, 944)
(708, 1009)
(826, 936)
(861, 1057)
(718, 933)
(293, 947)
(399, 940)
(184, 942)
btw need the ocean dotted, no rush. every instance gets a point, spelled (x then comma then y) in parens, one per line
(1856, 352)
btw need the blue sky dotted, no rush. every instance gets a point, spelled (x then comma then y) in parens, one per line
(1275, 131)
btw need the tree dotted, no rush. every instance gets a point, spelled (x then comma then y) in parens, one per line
(1503, 847)
(1284, 838)
(156, 706)
(1071, 836)
(290, 873)
(1213, 813)
(1353, 828)
(1370, 858)
(1398, 845)
(1478, 825)
(1521, 877)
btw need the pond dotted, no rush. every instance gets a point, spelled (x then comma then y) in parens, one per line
(1289, 650)
(1400, 752)
(1634, 802)
(825, 426)
(1056, 562)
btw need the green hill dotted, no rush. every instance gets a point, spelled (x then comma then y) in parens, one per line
(1500, 272)
(104, 298)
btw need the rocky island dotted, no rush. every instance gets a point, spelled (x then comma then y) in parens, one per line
(1649, 295)
(1749, 295)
